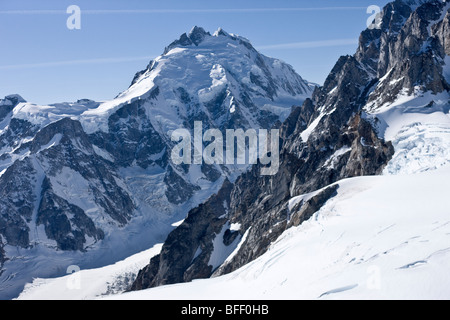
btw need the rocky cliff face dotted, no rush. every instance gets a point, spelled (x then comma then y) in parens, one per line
(40, 188)
(328, 138)
(409, 49)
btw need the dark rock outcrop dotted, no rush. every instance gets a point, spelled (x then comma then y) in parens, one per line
(28, 192)
(177, 261)
(65, 223)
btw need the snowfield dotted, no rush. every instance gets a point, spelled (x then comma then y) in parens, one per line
(91, 283)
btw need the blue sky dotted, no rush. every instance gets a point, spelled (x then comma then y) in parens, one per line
(45, 62)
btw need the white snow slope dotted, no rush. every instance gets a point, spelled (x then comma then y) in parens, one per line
(91, 283)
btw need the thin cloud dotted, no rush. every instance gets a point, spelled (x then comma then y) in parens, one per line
(235, 10)
(177, 11)
(75, 62)
(282, 46)
(32, 12)
(309, 44)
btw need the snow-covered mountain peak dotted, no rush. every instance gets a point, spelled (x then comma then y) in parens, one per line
(11, 99)
(193, 38)
(197, 34)
(101, 172)
(220, 32)
(209, 76)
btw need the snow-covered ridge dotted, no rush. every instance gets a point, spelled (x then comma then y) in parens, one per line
(204, 70)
